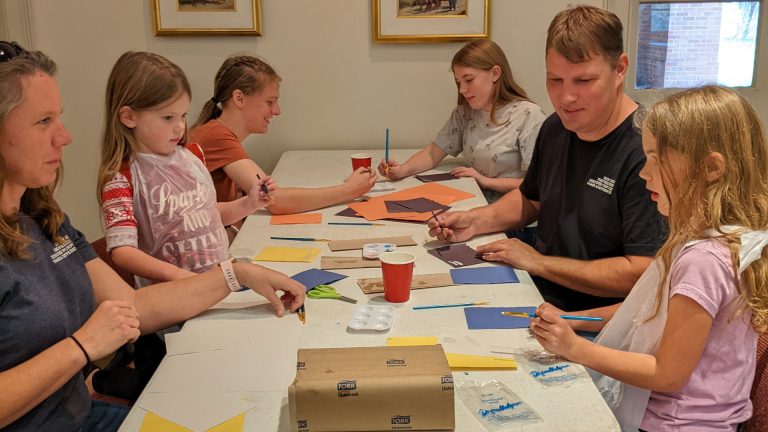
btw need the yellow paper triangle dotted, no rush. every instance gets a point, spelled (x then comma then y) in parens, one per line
(287, 254)
(154, 423)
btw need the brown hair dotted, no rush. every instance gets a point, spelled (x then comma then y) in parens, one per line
(38, 203)
(140, 81)
(485, 54)
(580, 32)
(695, 123)
(245, 73)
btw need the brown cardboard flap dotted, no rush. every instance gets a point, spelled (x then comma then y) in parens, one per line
(340, 245)
(434, 280)
(375, 388)
(333, 262)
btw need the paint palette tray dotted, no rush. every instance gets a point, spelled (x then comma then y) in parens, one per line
(370, 317)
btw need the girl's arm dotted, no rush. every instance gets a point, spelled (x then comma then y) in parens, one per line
(685, 336)
(426, 159)
(144, 265)
(233, 211)
(605, 312)
(498, 184)
(296, 200)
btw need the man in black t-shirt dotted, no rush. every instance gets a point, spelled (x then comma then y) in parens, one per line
(598, 228)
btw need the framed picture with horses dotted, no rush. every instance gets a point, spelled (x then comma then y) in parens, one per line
(206, 17)
(426, 21)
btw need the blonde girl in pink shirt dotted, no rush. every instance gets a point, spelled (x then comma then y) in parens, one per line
(679, 353)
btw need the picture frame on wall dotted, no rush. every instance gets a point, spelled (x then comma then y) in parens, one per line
(427, 21)
(207, 17)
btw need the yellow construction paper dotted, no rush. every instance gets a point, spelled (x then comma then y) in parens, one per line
(469, 361)
(412, 340)
(457, 361)
(287, 254)
(154, 423)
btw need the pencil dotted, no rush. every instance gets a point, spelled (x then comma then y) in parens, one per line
(302, 314)
(450, 305)
(568, 317)
(357, 223)
(300, 239)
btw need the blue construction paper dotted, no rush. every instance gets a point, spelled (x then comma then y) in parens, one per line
(484, 275)
(314, 277)
(483, 318)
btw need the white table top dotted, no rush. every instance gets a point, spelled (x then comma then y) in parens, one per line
(576, 408)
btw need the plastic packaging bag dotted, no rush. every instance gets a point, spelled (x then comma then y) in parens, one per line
(550, 369)
(495, 406)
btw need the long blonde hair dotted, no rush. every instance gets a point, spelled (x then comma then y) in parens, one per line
(696, 123)
(246, 73)
(484, 54)
(38, 203)
(140, 81)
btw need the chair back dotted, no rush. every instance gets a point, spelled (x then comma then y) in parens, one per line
(100, 246)
(759, 420)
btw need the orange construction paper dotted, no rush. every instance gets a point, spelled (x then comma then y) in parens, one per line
(298, 218)
(375, 209)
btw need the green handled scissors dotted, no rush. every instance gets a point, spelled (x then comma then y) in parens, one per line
(327, 291)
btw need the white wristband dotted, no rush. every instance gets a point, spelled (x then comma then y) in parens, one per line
(229, 275)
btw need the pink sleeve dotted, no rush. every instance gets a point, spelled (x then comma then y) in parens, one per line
(704, 273)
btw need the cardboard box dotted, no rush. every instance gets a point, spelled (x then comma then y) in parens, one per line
(372, 389)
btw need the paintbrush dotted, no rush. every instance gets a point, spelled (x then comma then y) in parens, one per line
(265, 189)
(568, 317)
(477, 303)
(434, 216)
(310, 239)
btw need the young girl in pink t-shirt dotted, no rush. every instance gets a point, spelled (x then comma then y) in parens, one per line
(679, 353)
(159, 204)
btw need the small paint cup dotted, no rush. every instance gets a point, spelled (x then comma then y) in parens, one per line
(361, 160)
(397, 272)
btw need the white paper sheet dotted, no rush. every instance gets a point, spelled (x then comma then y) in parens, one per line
(210, 337)
(267, 364)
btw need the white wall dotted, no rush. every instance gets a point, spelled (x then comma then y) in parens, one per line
(339, 89)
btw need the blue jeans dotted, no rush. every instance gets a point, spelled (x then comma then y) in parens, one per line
(104, 417)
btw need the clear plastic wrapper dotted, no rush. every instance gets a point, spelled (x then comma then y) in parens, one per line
(550, 369)
(495, 406)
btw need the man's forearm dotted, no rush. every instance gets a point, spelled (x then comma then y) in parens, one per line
(607, 277)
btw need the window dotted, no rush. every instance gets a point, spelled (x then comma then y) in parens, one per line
(687, 44)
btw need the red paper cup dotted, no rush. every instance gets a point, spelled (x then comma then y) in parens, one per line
(361, 160)
(397, 271)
